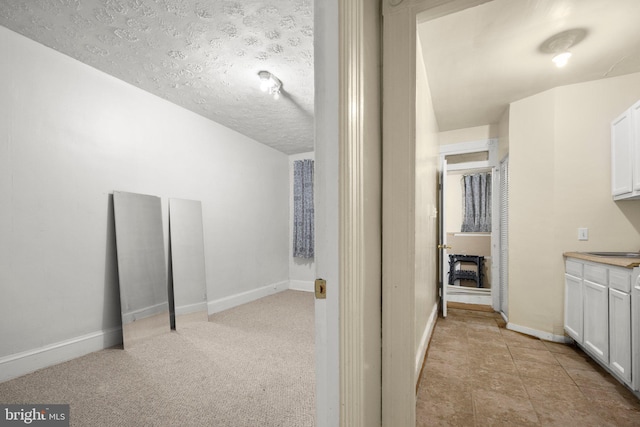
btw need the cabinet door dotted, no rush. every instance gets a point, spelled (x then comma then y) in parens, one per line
(596, 320)
(635, 147)
(635, 331)
(620, 334)
(621, 155)
(573, 307)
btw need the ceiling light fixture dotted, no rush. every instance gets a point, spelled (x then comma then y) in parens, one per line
(561, 59)
(559, 45)
(270, 83)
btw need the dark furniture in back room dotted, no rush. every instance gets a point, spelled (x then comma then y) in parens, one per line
(457, 263)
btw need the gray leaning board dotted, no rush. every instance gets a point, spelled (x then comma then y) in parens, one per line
(142, 269)
(187, 258)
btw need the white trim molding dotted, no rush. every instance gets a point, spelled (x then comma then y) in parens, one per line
(547, 336)
(302, 285)
(221, 304)
(470, 299)
(421, 354)
(399, 217)
(19, 364)
(359, 398)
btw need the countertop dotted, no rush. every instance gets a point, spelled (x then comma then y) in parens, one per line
(620, 262)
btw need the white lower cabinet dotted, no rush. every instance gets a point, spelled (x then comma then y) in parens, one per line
(620, 334)
(598, 315)
(573, 307)
(635, 331)
(596, 320)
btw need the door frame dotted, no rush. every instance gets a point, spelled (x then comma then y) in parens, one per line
(442, 235)
(491, 146)
(399, 40)
(348, 212)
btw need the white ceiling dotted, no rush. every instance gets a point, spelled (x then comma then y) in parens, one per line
(205, 54)
(482, 58)
(201, 54)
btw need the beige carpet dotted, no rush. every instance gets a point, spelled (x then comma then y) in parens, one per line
(249, 366)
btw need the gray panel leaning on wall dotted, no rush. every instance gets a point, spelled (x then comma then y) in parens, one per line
(187, 260)
(142, 270)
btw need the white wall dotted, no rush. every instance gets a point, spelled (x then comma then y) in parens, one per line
(560, 179)
(503, 135)
(71, 135)
(477, 133)
(302, 272)
(426, 207)
(454, 203)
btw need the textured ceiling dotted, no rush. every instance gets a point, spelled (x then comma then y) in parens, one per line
(483, 58)
(202, 55)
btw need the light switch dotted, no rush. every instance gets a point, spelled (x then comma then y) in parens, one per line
(583, 234)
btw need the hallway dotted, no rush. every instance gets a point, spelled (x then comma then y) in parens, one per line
(478, 373)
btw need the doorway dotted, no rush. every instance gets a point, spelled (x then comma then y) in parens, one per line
(470, 261)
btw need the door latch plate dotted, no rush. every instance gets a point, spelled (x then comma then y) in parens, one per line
(321, 289)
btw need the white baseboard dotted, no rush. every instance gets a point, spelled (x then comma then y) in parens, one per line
(191, 308)
(18, 364)
(424, 342)
(302, 285)
(470, 299)
(226, 303)
(547, 336)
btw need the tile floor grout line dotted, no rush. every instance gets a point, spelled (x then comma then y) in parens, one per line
(569, 375)
(535, 410)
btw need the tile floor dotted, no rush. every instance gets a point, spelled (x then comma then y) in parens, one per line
(478, 373)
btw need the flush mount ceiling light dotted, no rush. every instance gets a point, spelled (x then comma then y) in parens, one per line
(270, 83)
(559, 44)
(561, 59)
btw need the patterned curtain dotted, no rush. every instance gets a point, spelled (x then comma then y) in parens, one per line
(303, 212)
(476, 194)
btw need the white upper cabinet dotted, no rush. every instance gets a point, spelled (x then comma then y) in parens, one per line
(635, 138)
(625, 154)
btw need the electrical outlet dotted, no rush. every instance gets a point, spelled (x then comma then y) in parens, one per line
(583, 234)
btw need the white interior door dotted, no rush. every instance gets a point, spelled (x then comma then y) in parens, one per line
(442, 231)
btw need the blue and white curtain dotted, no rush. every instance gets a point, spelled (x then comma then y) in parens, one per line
(303, 212)
(476, 198)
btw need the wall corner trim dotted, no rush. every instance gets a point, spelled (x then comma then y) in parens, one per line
(421, 354)
(22, 363)
(221, 304)
(547, 336)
